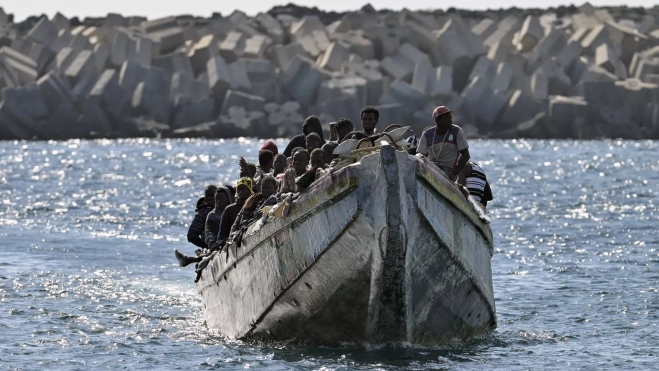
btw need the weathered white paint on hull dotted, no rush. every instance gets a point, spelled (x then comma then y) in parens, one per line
(384, 250)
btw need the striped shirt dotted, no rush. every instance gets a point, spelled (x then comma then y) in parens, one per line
(476, 182)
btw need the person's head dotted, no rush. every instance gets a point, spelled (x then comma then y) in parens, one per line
(209, 194)
(312, 125)
(300, 161)
(317, 158)
(313, 141)
(369, 116)
(279, 164)
(328, 149)
(232, 191)
(344, 127)
(244, 188)
(268, 186)
(266, 158)
(270, 145)
(443, 118)
(222, 198)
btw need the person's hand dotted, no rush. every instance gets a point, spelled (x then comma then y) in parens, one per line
(453, 176)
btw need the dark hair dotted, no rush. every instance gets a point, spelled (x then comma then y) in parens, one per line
(318, 150)
(295, 150)
(231, 189)
(269, 178)
(303, 151)
(211, 188)
(370, 109)
(345, 123)
(281, 155)
(313, 136)
(265, 156)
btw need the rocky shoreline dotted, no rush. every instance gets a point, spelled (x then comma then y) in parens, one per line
(568, 72)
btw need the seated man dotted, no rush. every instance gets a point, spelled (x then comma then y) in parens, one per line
(318, 169)
(243, 191)
(255, 203)
(313, 141)
(279, 166)
(298, 168)
(311, 125)
(204, 206)
(223, 198)
(445, 144)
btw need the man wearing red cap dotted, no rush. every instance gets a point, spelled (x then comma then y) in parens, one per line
(271, 146)
(445, 144)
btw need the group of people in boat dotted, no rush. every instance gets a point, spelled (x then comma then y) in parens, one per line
(224, 213)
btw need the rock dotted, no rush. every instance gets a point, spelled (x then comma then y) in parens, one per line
(284, 118)
(529, 35)
(302, 80)
(219, 78)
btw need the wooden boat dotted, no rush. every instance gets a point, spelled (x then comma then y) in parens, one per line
(384, 250)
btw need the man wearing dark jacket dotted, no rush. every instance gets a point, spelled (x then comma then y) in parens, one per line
(311, 125)
(243, 191)
(204, 207)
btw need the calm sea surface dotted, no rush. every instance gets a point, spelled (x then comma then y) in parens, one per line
(88, 278)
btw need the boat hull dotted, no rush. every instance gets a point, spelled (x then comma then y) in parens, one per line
(385, 250)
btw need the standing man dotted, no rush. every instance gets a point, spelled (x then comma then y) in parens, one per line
(369, 116)
(445, 144)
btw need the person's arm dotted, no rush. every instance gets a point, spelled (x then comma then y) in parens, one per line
(210, 232)
(464, 157)
(225, 227)
(295, 142)
(422, 148)
(196, 230)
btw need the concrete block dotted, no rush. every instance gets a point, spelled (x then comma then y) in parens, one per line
(118, 50)
(302, 80)
(239, 77)
(484, 68)
(194, 114)
(159, 24)
(521, 107)
(539, 86)
(443, 85)
(113, 20)
(569, 54)
(219, 77)
(284, 118)
(109, 95)
(143, 51)
(174, 62)
(150, 102)
(101, 55)
(237, 121)
(282, 55)
(19, 68)
(473, 93)
(504, 32)
(12, 127)
(530, 34)
(484, 28)
(422, 36)
(404, 93)
(424, 76)
(503, 78)
(606, 57)
(231, 48)
(334, 57)
(397, 69)
(60, 22)
(131, 74)
(338, 87)
(256, 46)
(202, 51)
(596, 37)
(181, 85)
(92, 118)
(333, 110)
(44, 32)
(370, 71)
(82, 66)
(272, 27)
(307, 25)
(563, 113)
(493, 105)
(169, 39)
(55, 90)
(548, 47)
(26, 99)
